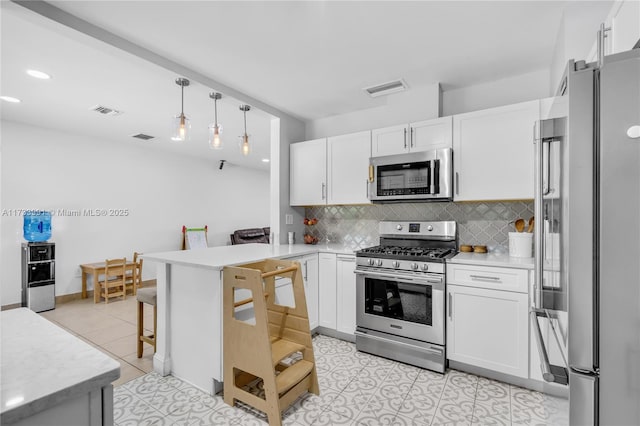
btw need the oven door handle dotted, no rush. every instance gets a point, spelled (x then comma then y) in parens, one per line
(395, 342)
(413, 279)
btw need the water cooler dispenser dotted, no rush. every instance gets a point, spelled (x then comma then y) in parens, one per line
(38, 264)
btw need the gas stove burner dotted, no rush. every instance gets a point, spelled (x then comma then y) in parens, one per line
(409, 252)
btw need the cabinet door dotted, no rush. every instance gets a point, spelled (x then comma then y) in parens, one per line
(390, 140)
(310, 276)
(493, 153)
(431, 134)
(308, 169)
(348, 168)
(489, 329)
(346, 302)
(327, 290)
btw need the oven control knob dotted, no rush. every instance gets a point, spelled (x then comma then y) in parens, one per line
(379, 262)
(395, 264)
(370, 261)
(429, 228)
(414, 265)
(399, 227)
(425, 267)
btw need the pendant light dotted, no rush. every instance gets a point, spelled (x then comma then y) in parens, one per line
(215, 129)
(181, 124)
(244, 143)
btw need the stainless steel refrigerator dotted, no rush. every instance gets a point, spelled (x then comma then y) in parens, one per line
(587, 301)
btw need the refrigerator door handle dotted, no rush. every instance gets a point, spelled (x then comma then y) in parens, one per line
(538, 232)
(550, 373)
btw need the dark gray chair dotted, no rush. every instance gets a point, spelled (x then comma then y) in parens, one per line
(246, 236)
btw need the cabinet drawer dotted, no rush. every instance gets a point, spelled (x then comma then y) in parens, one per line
(506, 279)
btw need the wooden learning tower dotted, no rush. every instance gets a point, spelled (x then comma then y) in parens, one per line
(264, 350)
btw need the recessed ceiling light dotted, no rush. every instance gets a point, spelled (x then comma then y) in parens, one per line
(39, 74)
(265, 160)
(10, 99)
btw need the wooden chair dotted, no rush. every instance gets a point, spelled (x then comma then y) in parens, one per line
(114, 282)
(264, 350)
(150, 297)
(134, 278)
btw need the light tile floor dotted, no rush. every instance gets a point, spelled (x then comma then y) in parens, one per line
(355, 388)
(109, 327)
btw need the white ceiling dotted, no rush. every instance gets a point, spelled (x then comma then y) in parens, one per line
(309, 59)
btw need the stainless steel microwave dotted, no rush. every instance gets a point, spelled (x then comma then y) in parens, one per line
(415, 176)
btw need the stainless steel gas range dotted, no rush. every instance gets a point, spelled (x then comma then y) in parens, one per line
(400, 292)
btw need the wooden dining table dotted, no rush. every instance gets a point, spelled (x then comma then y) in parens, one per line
(96, 269)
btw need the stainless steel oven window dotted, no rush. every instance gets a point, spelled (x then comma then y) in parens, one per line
(403, 301)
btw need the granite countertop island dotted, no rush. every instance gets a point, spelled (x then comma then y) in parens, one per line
(44, 366)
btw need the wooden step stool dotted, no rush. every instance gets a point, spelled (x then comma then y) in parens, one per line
(255, 351)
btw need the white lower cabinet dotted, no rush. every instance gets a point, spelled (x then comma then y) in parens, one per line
(487, 327)
(346, 294)
(284, 289)
(327, 290)
(309, 265)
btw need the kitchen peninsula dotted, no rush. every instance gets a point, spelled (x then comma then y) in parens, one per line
(189, 282)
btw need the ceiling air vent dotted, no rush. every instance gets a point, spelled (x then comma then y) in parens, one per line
(104, 110)
(142, 136)
(386, 88)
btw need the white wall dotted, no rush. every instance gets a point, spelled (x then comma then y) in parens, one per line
(415, 104)
(429, 102)
(283, 132)
(576, 36)
(45, 169)
(521, 88)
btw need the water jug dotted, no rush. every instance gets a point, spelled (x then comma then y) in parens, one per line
(37, 226)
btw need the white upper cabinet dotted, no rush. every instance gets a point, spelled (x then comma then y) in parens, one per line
(389, 141)
(419, 136)
(348, 168)
(330, 171)
(493, 153)
(308, 171)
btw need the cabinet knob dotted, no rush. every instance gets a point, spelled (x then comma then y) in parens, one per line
(399, 227)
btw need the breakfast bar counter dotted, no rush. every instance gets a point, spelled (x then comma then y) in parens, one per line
(189, 324)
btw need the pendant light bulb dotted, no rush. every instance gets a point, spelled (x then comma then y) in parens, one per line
(215, 129)
(181, 124)
(245, 148)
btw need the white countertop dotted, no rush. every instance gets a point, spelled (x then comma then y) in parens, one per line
(493, 259)
(43, 365)
(219, 257)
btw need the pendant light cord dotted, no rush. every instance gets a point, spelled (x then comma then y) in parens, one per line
(245, 122)
(182, 99)
(215, 108)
